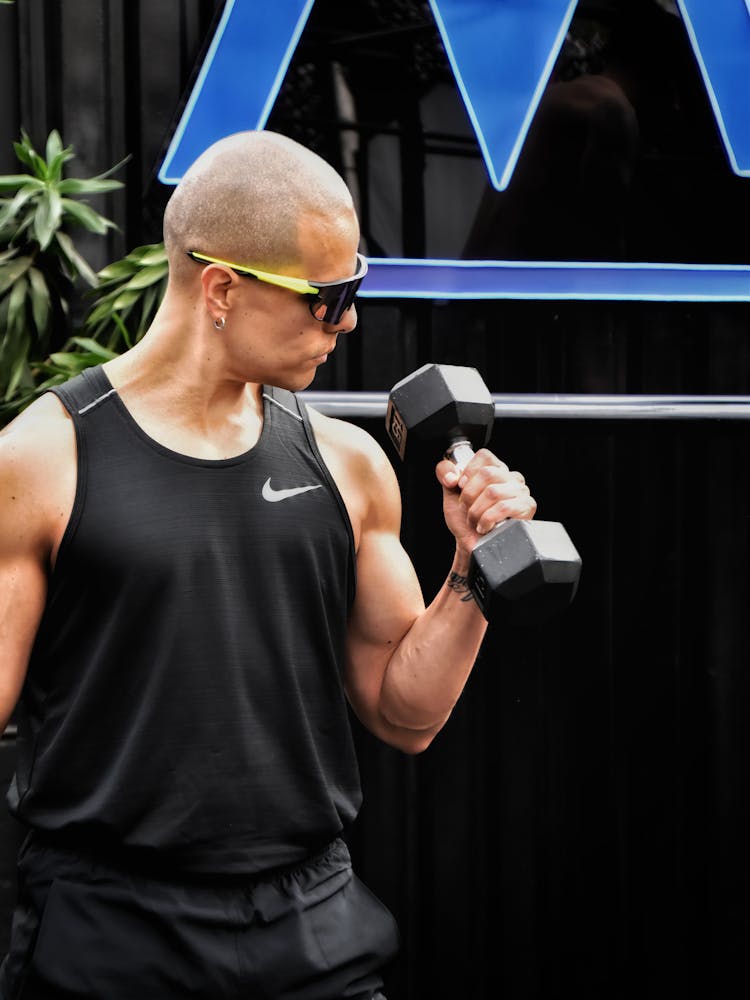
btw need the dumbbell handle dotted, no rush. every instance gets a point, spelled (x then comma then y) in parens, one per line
(459, 452)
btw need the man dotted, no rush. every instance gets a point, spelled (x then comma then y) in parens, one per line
(196, 572)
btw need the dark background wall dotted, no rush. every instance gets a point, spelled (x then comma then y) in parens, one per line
(580, 826)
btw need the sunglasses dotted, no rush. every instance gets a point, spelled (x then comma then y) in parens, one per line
(329, 300)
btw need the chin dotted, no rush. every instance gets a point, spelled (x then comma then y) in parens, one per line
(296, 382)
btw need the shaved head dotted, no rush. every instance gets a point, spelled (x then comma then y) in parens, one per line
(246, 199)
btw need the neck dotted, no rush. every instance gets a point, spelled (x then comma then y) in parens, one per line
(175, 381)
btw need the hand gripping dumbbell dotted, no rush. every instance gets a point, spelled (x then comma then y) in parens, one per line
(521, 571)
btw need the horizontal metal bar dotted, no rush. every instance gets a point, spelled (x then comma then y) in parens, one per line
(557, 406)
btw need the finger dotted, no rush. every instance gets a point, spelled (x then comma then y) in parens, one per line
(490, 491)
(498, 502)
(448, 474)
(484, 461)
(477, 478)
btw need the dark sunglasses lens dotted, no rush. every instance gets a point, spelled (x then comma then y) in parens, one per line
(332, 301)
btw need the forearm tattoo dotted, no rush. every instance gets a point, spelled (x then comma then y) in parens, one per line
(461, 586)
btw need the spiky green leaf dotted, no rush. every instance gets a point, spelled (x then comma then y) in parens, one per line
(148, 276)
(66, 360)
(92, 185)
(94, 347)
(22, 150)
(126, 299)
(116, 271)
(47, 217)
(13, 205)
(9, 182)
(112, 170)
(122, 329)
(40, 300)
(86, 216)
(54, 145)
(149, 253)
(19, 372)
(12, 271)
(55, 165)
(79, 265)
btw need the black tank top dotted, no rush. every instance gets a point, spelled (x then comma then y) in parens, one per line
(184, 697)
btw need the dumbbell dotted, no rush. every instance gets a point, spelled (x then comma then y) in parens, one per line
(521, 572)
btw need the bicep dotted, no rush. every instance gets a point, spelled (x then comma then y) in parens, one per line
(388, 601)
(23, 590)
(23, 585)
(388, 598)
(31, 449)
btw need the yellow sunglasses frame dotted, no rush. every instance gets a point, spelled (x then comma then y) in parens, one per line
(302, 286)
(299, 285)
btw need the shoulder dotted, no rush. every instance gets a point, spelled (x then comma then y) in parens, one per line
(37, 463)
(36, 435)
(351, 439)
(361, 468)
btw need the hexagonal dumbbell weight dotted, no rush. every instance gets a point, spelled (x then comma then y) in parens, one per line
(521, 571)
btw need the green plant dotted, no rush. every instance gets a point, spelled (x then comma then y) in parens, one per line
(127, 296)
(125, 301)
(39, 263)
(59, 367)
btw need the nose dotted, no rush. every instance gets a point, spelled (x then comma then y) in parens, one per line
(347, 322)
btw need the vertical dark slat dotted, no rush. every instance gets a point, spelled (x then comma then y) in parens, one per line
(411, 150)
(727, 646)
(574, 811)
(86, 107)
(170, 39)
(132, 56)
(692, 820)
(9, 87)
(116, 98)
(157, 31)
(37, 65)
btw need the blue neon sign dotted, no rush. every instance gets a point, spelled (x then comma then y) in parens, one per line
(240, 78)
(501, 53)
(719, 32)
(502, 84)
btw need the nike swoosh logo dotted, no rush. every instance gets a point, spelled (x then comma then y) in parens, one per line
(273, 496)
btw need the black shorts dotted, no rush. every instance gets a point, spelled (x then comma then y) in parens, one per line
(85, 928)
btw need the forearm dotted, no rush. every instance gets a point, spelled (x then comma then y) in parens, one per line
(407, 665)
(430, 666)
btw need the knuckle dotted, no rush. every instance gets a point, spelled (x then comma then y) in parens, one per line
(496, 491)
(490, 461)
(507, 508)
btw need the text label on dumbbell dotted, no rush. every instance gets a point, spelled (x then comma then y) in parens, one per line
(396, 429)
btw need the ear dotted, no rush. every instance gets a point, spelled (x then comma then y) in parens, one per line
(217, 281)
